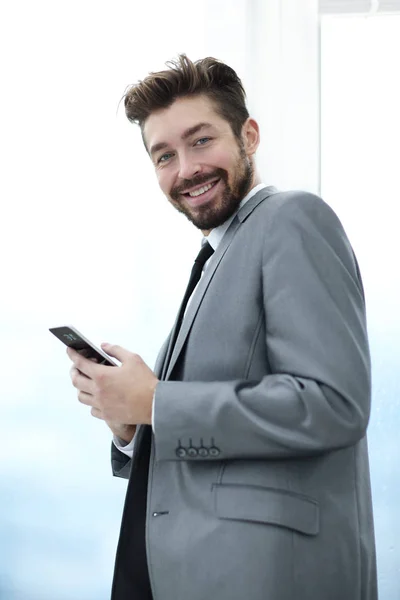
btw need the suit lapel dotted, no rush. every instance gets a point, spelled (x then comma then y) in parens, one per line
(215, 260)
(262, 195)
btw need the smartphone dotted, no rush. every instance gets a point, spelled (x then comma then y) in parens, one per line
(73, 339)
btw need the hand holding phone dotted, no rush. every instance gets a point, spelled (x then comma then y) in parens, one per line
(121, 397)
(72, 338)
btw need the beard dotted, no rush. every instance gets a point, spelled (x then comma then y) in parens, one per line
(208, 217)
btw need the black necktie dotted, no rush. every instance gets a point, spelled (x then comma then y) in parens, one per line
(201, 259)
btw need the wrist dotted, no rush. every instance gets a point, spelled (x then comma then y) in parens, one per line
(124, 432)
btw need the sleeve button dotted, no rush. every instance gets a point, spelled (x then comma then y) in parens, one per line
(214, 451)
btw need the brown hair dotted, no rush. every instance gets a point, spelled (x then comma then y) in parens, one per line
(207, 76)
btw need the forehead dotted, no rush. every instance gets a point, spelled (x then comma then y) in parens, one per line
(169, 124)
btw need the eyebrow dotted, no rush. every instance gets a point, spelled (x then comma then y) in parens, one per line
(186, 134)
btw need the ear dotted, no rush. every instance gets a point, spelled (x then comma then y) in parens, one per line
(251, 136)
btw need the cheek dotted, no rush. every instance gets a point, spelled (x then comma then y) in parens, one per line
(221, 160)
(226, 161)
(164, 181)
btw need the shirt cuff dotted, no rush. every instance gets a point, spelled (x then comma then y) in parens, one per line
(124, 447)
(128, 447)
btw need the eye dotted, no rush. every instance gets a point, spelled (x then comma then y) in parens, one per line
(202, 141)
(164, 157)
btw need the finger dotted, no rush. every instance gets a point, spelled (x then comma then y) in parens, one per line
(73, 372)
(117, 352)
(81, 382)
(84, 365)
(88, 399)
(71, 353)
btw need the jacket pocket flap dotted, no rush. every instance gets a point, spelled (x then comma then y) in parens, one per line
(267, 505)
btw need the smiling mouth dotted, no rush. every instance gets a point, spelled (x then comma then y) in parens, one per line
(201, 190)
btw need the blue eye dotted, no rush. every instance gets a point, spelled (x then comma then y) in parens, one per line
(164, 157)
(207, 139)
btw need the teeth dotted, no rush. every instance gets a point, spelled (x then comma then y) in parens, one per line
(200, 191)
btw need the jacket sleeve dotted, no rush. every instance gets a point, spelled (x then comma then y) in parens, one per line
(120, 463)
(317, 397)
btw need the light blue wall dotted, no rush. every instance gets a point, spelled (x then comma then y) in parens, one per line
(360, 154)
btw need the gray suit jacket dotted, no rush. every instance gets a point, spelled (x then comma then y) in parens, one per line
(259, 482)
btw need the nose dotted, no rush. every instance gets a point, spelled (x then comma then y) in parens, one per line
(188, 167)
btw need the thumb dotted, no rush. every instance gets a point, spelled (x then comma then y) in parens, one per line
(115, 351)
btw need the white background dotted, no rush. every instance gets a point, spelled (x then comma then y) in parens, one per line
(87, 238)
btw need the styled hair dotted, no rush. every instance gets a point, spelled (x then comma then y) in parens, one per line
(208, 76)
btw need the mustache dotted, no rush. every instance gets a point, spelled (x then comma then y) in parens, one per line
(198, 180)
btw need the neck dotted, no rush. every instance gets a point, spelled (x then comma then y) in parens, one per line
(256, 181)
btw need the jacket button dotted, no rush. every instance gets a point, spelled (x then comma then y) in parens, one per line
(181, 452)
(192, 451)
(214, 451)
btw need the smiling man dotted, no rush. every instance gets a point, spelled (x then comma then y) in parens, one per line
(245, 447)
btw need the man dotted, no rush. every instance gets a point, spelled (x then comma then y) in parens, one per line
(245, 449)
